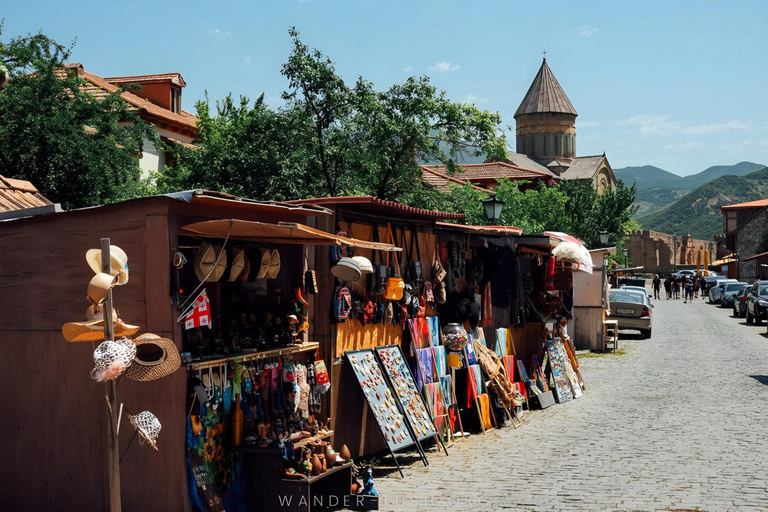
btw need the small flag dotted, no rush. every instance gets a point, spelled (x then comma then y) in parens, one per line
(200, 314)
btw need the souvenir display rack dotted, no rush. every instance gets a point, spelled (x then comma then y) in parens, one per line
(401, 381)
(387, 410)
(253, 356)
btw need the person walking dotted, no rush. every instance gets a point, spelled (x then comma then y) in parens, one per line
(688, 290)
(703, 287)
(656, 286)
(668, 286)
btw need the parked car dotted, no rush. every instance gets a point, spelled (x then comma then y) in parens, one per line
(632, 309)
(716, 291)
(729, 292)
(757, 302)
(685, 273)
(740, 302)
(641, 289)
(711, 280)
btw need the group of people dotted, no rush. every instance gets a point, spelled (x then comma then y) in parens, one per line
(675, 284)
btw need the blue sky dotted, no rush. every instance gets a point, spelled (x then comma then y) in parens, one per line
(676, 84)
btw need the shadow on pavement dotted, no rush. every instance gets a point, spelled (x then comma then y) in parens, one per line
(762, 379)
(630, 336)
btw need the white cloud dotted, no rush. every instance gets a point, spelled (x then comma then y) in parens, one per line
(471, 98)
(247, 61)
(684, 146)
(586, 32)
(444, 67)
(590, 124)
(408, 69)
(217, 32)
(716, 128)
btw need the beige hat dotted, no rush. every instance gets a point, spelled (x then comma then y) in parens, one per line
(118, 262)
(265, 258)
(156, 358)
(274, 265)
(98, 288)
(237, 265)
(364, 263)
(206, 257)
(93, 327)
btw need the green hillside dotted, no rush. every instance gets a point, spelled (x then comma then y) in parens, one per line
(740, 169)
(648, 176)
(698, 212)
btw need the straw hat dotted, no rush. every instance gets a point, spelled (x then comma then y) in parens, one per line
(246, 269)
(156, 358)
(98, 288)
(274, 265)
(147, 425)
(237, 265)
(93, 327)
(206, 257)
(347, 270)
(364, 263)
(117, 257)
(112, 358)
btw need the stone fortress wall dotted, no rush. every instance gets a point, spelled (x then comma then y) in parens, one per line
(659, 252)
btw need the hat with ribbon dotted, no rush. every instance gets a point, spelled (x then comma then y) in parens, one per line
(118, 262)
(112, 358)
(155, 358)
(98, 288)
(93, 327)
(148, 427)
(210, 262)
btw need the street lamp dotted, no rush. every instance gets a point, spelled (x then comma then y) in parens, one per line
(604, 237)
(493, 208)
(625, 252)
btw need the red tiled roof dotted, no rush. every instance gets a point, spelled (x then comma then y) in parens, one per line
(760, 203)
(488, 171)
(161, 78)
(441, 180)
(380, 205)
(19, 195)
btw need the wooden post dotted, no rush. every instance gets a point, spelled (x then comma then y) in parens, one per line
(113, 447)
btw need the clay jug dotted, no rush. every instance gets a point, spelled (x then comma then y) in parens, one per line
(330, 456)
(317, 466)
(322, 461)
(345, 453)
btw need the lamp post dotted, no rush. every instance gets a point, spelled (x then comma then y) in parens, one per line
(492, 207)
(625, 252)
(675, 242)
(604, 237)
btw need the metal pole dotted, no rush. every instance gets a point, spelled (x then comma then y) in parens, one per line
(113, 454)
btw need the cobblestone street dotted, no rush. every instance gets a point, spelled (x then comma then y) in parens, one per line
(678, 422)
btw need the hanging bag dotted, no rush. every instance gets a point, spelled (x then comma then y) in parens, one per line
(417, 275)
(395, 284)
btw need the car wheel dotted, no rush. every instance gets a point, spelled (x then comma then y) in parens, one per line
(758, 319)
(742, 314)
(749, 317)
(646, 334)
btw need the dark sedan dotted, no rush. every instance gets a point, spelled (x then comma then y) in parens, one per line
(757, 302)
(740, 302)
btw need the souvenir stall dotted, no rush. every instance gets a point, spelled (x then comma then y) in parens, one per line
(168, 261)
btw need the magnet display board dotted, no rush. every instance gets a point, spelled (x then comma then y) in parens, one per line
(556, 355)
(381, 399)
(400, 378)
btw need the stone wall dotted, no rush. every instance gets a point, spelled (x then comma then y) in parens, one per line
(659, 252)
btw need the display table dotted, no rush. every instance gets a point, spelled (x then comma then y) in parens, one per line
(269, 490)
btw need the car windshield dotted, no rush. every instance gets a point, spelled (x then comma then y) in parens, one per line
(734, 287)
(626, 297)
(763, 290)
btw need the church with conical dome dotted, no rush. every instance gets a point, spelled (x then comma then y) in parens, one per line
(546, 135)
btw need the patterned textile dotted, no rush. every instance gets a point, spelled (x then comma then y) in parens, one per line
(474, 384)
(447, 382)
(426, 366)
(439, 357)
(509, 365)
(485, 411)
(470, 351)
(487, 307)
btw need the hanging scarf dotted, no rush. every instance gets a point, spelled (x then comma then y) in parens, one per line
(487, 307)
(434, 330)
(447, 382)
(501, 342)
(438, 354)
(509, 365)
(426, 365)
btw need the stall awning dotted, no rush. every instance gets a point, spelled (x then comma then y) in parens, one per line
(581, 261)
(280, 233)
(483, 230)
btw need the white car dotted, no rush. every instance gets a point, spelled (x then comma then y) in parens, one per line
(637, 289)
(632, 309)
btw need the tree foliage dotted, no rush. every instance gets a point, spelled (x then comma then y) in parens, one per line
(330, 138)
(75, 149)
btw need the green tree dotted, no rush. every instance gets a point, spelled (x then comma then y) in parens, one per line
(75, 149)
(331, 139)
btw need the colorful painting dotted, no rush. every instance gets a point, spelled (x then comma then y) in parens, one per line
(562, 386)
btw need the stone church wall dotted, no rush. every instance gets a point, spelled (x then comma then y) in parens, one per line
(658, 252)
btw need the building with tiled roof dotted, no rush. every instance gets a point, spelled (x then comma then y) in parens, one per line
(743, 228)
(546, 134)
(483, 176)
(158, 102)
(18, 195)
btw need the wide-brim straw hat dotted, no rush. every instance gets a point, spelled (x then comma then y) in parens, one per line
(156, 358)
(118, 261)
(210, 262)
(264, 265)
(237, 265)
(98, 288)
(244, 274)
(147, 425)
(347, 270)
(274, 265)
(93, 327)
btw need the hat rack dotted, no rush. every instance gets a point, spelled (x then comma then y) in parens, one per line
(253, 356)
